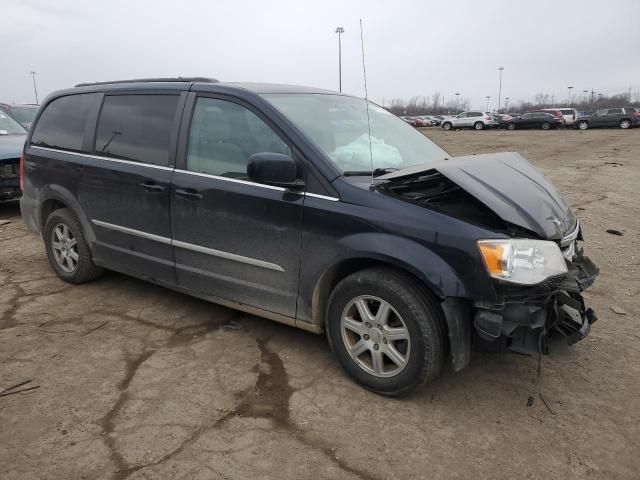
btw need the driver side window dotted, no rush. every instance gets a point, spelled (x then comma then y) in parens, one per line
(223, 135)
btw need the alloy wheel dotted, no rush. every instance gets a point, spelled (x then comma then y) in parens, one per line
(65, 248)
(375, 336)
(625, 124)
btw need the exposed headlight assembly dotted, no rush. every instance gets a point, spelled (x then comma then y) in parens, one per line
(522, 261)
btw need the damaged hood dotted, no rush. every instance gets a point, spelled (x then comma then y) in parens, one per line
(507, 184)
(11, 145)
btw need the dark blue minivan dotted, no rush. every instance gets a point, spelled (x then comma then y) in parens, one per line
(312, 208)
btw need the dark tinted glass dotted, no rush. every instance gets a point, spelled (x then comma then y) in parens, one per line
(136, 127)
(63, 122)
(613, 111)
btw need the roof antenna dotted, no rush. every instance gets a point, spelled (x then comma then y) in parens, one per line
(366, 99)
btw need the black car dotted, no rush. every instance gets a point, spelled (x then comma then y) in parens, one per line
(12, 137)
(542, 120)
(252, 196)
(627, 117)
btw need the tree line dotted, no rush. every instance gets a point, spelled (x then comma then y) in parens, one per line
(436, 104)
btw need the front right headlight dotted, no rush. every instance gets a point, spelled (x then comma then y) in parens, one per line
(522, 261)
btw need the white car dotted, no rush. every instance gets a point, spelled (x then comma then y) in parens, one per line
(472, 119)
(570, 115)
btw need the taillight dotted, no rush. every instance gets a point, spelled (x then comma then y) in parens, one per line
(22, 171)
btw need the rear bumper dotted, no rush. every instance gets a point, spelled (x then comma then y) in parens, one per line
(10, 188)
(528, 317)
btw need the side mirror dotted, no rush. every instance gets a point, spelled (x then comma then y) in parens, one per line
(272, 169)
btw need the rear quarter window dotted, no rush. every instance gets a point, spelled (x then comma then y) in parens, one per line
(136, 127)
(64, 121)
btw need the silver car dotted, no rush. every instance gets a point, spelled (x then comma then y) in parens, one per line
(472, 119)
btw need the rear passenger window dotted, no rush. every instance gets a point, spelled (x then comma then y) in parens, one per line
(136, 127)
(224, 135)
(62, 124)
(613, 111)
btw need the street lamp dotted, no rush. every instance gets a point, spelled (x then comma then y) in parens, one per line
(35, 90)
(585, 95)
(500, 69)
(340, 31)
(457, 98)
(488, 97)
(506, 104)
(569, 88)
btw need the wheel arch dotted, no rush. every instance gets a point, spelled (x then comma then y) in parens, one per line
(54, 197)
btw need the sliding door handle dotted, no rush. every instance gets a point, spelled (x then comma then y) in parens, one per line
(189, 193)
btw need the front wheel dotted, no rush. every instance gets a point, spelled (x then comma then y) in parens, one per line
(478, 125)
(67, 250)
(511, 126)
(447, 126)
(545, 126)
(386, 331)
(625, 124)
(583, 125)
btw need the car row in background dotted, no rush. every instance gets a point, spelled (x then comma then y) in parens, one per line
(473, 119)
(12, 137)
(23, 113)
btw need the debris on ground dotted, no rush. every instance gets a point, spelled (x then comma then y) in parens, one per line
(618, 310)
(231, 326)
(4, 222)
(13, 389)
(613, 231)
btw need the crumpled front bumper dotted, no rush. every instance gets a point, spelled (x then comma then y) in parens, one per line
(528, 316)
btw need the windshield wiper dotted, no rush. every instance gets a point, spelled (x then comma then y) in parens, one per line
(376, 172)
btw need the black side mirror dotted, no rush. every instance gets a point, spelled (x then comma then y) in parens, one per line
(273, 169)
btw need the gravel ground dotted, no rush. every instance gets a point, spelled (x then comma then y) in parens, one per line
(136, 381)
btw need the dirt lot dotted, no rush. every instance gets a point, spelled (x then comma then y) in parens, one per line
(140, 382)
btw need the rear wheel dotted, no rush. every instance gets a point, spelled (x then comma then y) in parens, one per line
(545, 126)
(625, 124)
(386, 331)
(511, 126)
(583, 125)
(447, 126)
(478, 125)
(67, 249)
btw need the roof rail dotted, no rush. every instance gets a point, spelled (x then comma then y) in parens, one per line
(149, 80)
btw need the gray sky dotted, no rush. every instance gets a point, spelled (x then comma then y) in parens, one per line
(412, 47)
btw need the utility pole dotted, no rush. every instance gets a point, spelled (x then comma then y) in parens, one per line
(569, 88)
(592, 94)
(500, 69)
(35, 89)
(586, 92)
(340, 31)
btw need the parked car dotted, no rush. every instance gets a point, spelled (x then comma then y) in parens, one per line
(12, 137)
(427, 119)
(421, 122)
(543, 120)
(473, 119)
(23, 113)
(626, 117)
(410, 120)
(570, 115)
(247, 195)
(501, 118)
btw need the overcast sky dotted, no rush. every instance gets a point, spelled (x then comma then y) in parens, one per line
(412, 47)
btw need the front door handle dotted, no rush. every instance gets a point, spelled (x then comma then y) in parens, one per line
(189, 193)
(152, 187)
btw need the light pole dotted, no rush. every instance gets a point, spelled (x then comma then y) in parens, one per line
(585, 95)
(35, 90)
(500, 69)
(569, 88)
(506, 104)
(488, 97)
(340, 31)
(457, 98)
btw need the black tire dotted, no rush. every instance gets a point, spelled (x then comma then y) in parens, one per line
(421, 314)
(85, 270)
(625, 124)
(583, 125)
(511, 126)
(478, 125)
(545, 126)
(447, 126)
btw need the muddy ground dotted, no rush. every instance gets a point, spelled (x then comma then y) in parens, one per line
(138, 382)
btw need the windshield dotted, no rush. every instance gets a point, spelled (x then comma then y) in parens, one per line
(8, 126)
(24, 114)
(338, 126)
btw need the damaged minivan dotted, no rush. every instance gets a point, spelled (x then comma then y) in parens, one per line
(311, 208)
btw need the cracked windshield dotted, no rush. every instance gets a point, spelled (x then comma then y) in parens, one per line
(338, 125)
